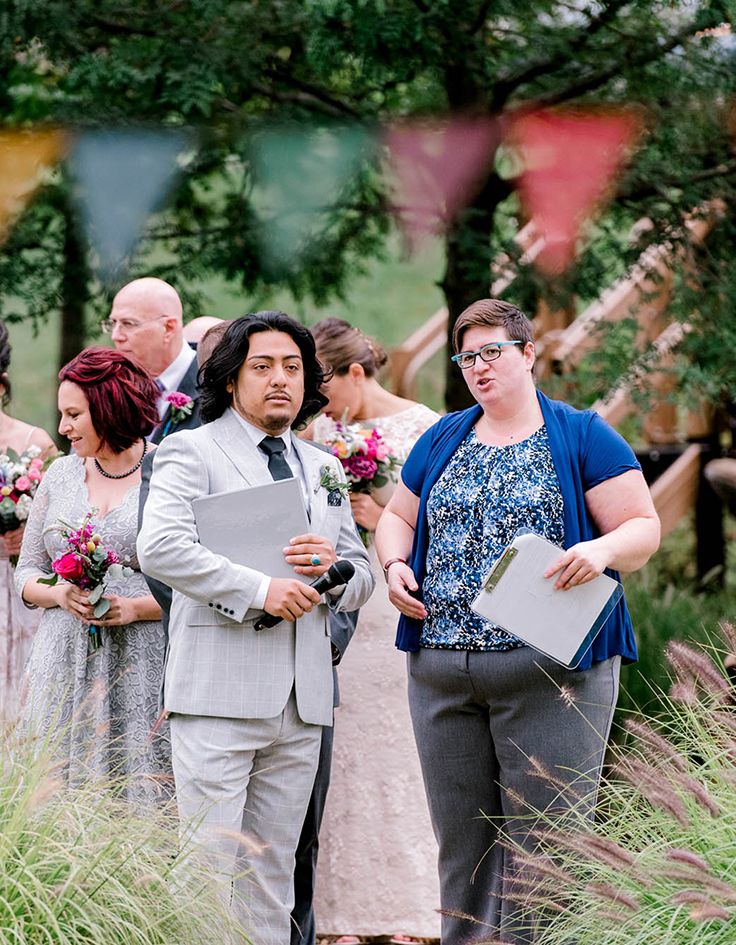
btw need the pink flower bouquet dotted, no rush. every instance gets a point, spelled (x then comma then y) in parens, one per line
(19, 479)
(365, 456)
(88, 564)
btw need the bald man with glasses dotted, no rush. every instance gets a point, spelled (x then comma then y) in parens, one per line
(146, 324)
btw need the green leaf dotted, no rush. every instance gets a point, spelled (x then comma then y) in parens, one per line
(379, 481)
(94, 596)
(49, 580)
(102, 607)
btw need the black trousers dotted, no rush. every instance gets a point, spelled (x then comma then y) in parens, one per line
(303, 929)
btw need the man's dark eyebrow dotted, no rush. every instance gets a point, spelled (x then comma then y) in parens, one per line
(270, 357)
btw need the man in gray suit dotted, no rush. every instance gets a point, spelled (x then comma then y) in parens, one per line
(247, 707)
(146, 324)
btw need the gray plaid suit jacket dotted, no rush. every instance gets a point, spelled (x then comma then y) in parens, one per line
(217, 664)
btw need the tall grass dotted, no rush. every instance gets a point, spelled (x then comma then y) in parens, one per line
(79, 867)
(659, 866)
(667, 602)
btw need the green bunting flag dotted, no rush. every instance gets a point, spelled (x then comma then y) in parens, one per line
(299, 176)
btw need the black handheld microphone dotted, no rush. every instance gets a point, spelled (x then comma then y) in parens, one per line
(339, 573)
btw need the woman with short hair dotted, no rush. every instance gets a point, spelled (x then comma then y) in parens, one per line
(503, 731)
(102, 703)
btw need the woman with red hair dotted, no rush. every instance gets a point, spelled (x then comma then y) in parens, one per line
(102, 703)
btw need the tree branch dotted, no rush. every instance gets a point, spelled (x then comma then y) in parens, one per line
(481, 17)
(655, 189)
(596, 80)
(504, 87)
(109, 27)
(320, 94)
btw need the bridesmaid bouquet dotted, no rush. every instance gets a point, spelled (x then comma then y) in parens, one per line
(364, 454)
(366, 458)
(87, 564)
(19, 479)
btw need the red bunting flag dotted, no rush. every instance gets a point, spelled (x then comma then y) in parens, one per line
(436, 169)
(570, 160)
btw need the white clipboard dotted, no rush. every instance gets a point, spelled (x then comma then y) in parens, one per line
(252, 526)
(559, 624)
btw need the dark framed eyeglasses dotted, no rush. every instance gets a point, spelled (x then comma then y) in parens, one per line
(491, 352)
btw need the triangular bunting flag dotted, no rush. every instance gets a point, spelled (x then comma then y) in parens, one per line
(436, 170)
(570, 160)
(298, 177)
(23, 156)
(121, 176)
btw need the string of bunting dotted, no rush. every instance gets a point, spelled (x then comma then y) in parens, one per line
(568, 161)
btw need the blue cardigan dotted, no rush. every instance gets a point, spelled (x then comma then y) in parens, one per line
(585, 451)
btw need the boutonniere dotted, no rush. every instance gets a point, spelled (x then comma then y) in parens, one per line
(336, 488)
(181, 408)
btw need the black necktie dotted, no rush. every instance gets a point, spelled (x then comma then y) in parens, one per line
(273, 447)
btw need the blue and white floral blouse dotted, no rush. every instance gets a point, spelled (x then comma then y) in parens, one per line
(483, 497)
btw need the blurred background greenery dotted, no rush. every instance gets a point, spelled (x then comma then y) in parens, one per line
(389, 302)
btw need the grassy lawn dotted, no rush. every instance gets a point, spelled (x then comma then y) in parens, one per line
(389, 302)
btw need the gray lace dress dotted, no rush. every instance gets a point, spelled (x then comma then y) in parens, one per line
(97, 708)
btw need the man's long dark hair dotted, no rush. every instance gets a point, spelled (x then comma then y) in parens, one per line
(224, 363)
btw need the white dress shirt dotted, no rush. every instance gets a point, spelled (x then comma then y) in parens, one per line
(295, 464)
(174, 375)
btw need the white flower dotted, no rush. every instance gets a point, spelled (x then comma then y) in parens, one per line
(23, 507)
(33, 451)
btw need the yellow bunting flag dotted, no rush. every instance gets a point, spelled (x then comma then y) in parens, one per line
(24, 156)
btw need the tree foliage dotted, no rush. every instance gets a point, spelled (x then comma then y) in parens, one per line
(227, 67)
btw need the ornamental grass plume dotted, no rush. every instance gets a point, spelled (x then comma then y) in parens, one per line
(659, 866)
(78, 867)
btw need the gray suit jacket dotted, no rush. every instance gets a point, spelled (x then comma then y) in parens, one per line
(218, 664)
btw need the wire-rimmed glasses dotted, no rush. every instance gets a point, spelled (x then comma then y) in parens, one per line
(127, 324)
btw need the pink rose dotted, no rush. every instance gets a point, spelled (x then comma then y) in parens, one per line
(22, 484)
(382, 452)
(36, 463)
(178, 400)
(69, 567)
(34, 475)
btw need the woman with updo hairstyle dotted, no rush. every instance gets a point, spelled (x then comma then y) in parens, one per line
(374, 834)
(101, 703)
(17, 624)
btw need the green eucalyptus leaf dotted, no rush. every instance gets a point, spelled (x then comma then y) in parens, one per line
(102, 607)
(94, 595)
(49, 580)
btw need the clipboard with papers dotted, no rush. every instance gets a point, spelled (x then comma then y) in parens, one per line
(252, 526)
(559, 624)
